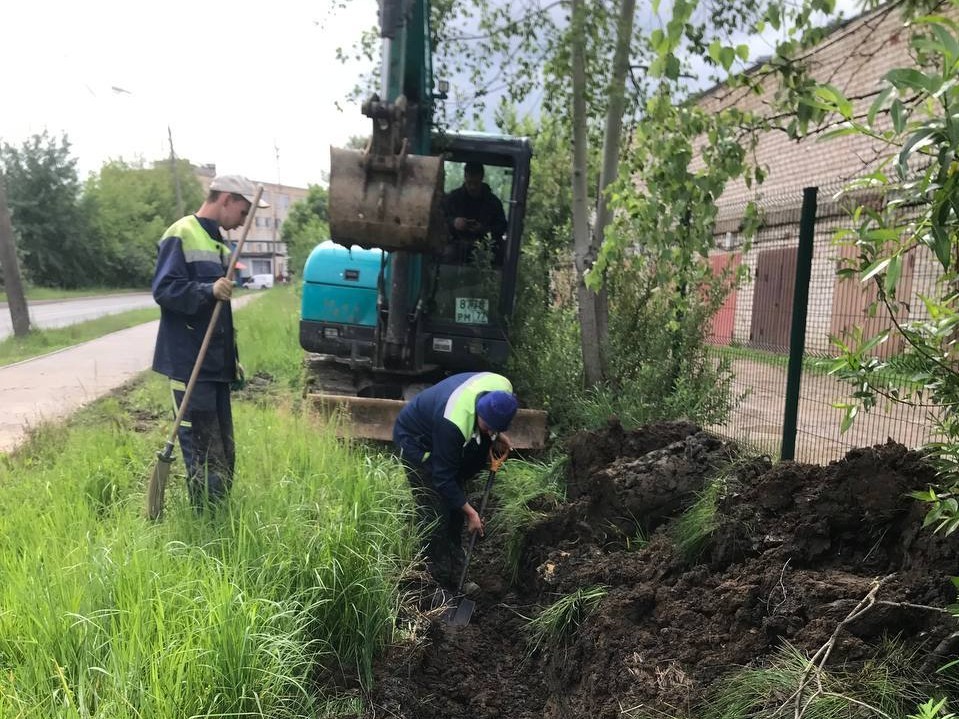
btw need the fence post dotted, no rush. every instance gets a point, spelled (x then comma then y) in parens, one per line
(797, 333)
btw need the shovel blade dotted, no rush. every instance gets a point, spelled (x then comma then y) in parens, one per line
(157, 487)
(460, 614)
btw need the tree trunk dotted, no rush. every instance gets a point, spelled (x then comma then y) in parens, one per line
(583, 258)
(16, 300)
(611, 146)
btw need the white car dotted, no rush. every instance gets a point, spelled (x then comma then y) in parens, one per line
(259, 282)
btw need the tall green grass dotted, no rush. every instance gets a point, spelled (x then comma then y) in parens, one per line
(524, 490)
(257, 610)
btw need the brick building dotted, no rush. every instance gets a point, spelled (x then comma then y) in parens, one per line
(854, 57)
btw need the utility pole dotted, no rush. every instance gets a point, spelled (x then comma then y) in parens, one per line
(276, 153)
(176, 175)
(16, 299)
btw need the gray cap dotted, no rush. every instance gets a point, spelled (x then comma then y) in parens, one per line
(237, 184)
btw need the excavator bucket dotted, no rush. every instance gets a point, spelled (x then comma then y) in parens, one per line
(373, 418)
(388, 201)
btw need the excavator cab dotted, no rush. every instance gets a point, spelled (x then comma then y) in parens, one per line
(460, 292)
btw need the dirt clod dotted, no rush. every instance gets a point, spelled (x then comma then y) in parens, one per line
(794, 549)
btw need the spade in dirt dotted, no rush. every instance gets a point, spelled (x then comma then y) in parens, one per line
(460, 613)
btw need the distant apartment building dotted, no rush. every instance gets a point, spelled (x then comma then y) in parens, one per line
(264, 253)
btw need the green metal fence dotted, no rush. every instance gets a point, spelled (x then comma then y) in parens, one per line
(780, 324)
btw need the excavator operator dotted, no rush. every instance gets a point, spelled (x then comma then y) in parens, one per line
(473, 214)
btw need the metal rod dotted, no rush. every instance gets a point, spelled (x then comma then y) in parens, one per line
(797, 335)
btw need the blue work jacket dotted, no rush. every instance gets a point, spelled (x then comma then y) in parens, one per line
(437, 428)
(191, 257)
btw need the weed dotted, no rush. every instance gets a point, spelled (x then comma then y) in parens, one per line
(555, 626)
(886, 687)
(522, 486)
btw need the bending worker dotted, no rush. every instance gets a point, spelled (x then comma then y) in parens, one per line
(444, 436)
(190, 278)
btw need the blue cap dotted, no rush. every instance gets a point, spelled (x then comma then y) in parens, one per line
(497, 409)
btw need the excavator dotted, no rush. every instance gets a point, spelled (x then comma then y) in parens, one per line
(391, 304)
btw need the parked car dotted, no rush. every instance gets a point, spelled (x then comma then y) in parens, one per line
(259, 282)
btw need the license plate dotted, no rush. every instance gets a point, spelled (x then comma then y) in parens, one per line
(472, 310)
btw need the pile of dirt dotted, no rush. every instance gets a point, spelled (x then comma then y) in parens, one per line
(793, 551)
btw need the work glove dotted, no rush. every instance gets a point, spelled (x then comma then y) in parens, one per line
(239, 378)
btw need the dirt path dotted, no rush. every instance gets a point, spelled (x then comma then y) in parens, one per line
(759, 417)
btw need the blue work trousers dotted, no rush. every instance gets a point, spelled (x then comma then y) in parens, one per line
(440, 526)
(206, 440)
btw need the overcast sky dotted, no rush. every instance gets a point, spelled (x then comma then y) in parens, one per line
(230, 79)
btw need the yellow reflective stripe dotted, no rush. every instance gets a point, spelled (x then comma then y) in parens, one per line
(194, 239)
(461, 406)
(175, 386)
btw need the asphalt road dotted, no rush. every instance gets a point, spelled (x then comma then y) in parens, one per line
(51, 314)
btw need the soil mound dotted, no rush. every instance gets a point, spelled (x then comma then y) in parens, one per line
(793, 550)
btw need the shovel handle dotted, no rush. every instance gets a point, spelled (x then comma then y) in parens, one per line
(494, 467)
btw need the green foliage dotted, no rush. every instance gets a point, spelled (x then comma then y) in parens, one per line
(914, 116)
(671, 222)
(660, 364)
(556, 624)
(43, 192)
(236, 613)
(128, 207)
(306, 226)
(545, 361)
(933, 709)
(658, 361)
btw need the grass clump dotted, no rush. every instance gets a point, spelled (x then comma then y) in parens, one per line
(692, 529)
(556, 624)
(888, 685)
(524, 490)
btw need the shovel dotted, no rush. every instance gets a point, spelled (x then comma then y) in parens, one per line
(161, 470)
(459, 614)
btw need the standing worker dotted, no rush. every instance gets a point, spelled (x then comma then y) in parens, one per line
(189, 280)
(444, 436)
